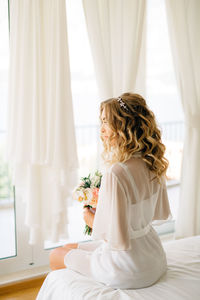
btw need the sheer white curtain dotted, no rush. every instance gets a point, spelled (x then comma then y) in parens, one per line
(116, 32)
(41, 135)
(184, 28)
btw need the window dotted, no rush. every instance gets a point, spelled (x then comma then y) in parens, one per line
(15, 252)
(84, 88)
(7, 205)
(86, 110)
(85, 100)
(163, 98)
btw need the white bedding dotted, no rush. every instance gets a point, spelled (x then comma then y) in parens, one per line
(181, 282)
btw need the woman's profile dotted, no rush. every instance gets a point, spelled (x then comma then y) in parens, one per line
(125, 251)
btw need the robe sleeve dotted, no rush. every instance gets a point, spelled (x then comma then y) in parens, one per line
(111, 221)
(162, 209)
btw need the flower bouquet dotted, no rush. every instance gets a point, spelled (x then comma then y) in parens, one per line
(88, 192)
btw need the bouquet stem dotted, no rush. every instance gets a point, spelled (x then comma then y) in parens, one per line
(88, 230)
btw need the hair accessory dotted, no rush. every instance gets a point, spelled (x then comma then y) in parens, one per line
(122, 104)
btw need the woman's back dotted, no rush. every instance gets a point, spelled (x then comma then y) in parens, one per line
(146, 194)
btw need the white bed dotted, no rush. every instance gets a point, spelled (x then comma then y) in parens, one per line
(181, 282)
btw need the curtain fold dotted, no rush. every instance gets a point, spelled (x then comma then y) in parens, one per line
(41, 136)
(184, 28)
(116, 33)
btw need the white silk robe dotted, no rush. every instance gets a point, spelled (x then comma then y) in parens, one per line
(126, 251)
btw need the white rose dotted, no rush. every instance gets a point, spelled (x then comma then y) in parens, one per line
(95, 180)
(88, 196)
(78, 193)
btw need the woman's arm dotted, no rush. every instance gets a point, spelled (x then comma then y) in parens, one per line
(88, 216)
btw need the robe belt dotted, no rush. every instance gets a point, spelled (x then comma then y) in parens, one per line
(134, 234)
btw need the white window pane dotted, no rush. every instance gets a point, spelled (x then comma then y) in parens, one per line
(86, 111)
(162, 92)
(7, 209)
(84, 88)
(163, 97)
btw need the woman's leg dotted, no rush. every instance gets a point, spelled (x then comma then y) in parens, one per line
(72, 246)
(57, 255)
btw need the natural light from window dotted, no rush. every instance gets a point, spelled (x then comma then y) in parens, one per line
(162, 97)
(162, 94)
(7, 211)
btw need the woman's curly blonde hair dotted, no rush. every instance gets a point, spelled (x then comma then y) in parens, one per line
(135, 129)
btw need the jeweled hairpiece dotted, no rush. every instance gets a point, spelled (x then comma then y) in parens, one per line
(122, 104)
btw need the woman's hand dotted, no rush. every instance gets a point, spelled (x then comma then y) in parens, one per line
(88, 216)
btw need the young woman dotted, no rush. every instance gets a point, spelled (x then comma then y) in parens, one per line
(126, 252)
